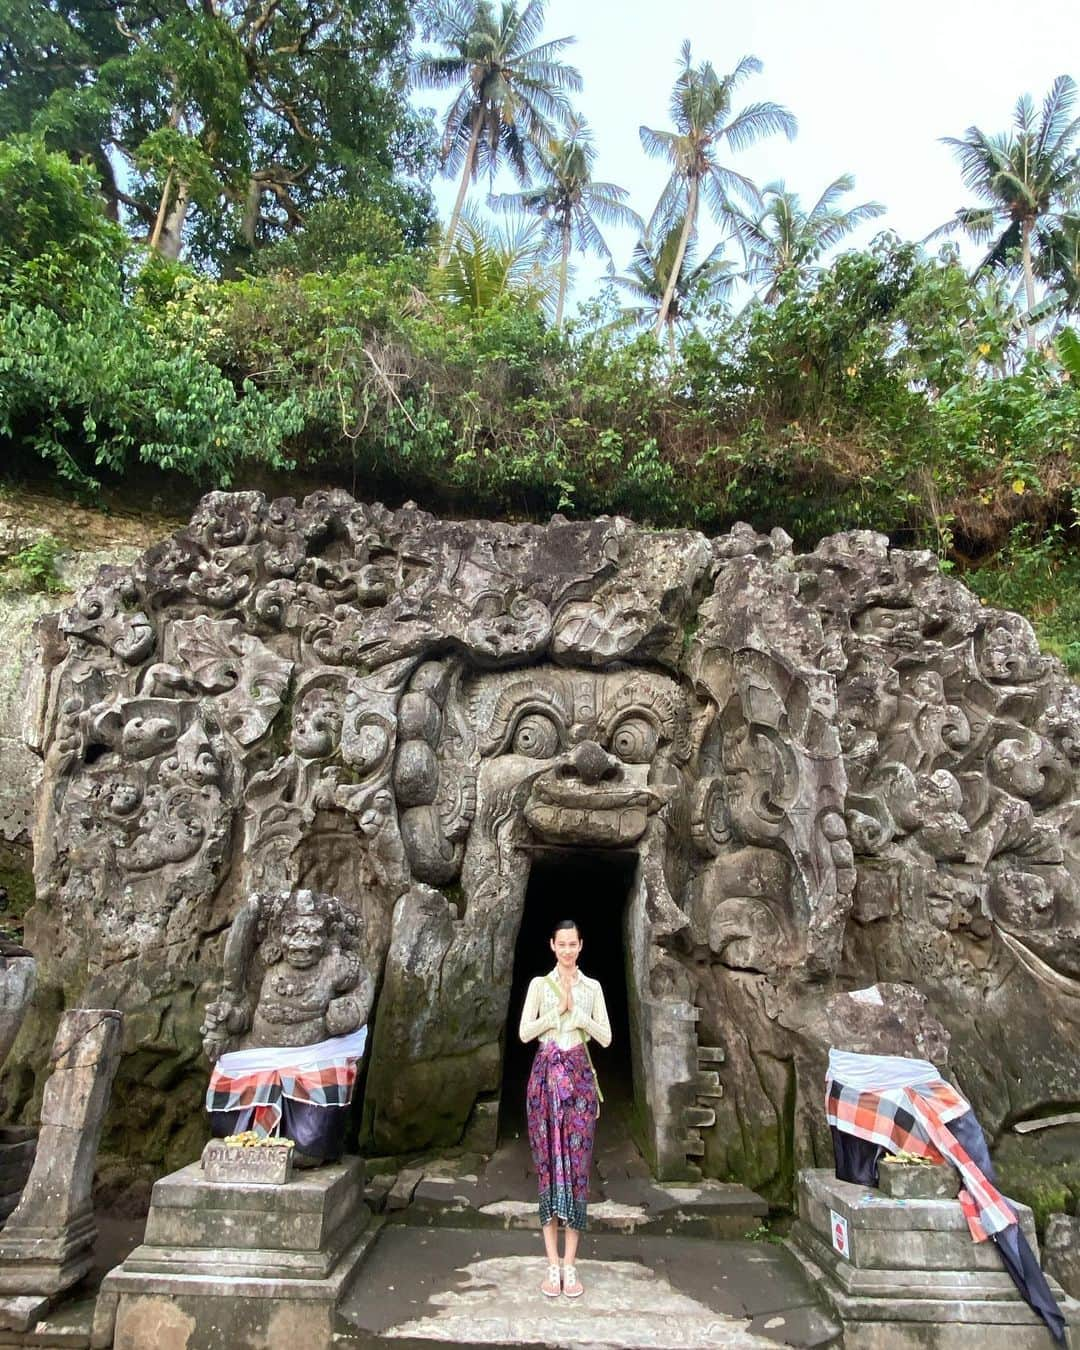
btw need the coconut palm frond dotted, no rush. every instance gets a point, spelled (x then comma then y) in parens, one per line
(1028, 181)
(512, 87)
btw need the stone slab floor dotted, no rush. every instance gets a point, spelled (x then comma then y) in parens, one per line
(481, 1287)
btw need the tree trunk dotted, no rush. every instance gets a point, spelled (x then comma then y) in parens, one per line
(109, 190)
(171, 238)
(163, 206)
(564, 267)
(249, 222)
(466, 178)
(680, 254)
(1029, 276)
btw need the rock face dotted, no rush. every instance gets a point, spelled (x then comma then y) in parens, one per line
(817, 771)
(18, 612)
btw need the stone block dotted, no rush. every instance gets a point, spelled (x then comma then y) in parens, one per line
(265, 1165)
(299, 1228)
(910, 1277)
(21, 1312)
(1062, 1251)
(401, 1193)
(260, 1265)
(918, 1181)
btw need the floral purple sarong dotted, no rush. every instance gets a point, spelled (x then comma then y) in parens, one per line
(560, 1103)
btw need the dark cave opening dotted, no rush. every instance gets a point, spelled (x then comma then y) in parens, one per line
(592, 888)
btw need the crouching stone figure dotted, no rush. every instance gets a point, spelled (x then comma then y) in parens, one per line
(287, 1032)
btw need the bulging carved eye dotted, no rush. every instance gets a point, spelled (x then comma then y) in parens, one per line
(634, 740)
(536, 736)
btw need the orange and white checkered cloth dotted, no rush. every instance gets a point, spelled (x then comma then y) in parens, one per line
(915, 1120)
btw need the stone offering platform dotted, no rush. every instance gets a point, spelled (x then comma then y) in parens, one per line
(239, 1264)
(479, 1288)
(912, 1278)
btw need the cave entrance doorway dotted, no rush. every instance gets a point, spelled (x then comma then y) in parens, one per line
(593, 888)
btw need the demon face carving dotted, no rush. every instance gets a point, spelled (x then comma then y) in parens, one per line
(600, 753)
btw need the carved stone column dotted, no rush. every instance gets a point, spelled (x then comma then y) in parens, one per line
(46, 1244)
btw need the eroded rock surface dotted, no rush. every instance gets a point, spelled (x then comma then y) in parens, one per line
(827, 769)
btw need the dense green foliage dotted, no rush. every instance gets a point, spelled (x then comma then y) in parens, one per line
(219, 125)
(884, 391)
(319, 324)
(89, 378)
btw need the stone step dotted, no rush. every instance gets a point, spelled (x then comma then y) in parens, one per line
(700, 1117)
(693, 1145)
(705, 1208)
(710, 1054)
(708, 1084)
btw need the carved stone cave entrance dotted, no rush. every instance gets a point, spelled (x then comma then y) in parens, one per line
(593, 888)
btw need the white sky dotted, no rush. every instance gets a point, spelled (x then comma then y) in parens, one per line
(874, 84)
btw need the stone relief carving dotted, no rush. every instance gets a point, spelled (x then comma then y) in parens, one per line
(293, 975)
(828, 768)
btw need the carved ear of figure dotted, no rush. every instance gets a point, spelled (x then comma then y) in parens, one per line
(434, 788)
(747, 934)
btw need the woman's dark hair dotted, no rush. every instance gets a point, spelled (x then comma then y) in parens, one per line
(564, 924)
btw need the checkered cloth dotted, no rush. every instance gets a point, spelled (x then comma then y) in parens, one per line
(257, 1080)
(914, 1119)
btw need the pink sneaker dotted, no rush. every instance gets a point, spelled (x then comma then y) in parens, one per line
(552, 1286)
(571, 1285)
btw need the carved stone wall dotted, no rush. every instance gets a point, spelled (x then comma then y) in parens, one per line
(829, 769)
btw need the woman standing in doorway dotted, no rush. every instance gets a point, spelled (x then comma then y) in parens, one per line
(564, 1009)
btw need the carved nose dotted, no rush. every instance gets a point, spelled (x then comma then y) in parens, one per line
(591, 764)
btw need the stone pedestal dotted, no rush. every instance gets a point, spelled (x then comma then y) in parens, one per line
(910, 1277)
(235, 1264)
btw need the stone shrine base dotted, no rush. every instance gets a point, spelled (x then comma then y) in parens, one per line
(239, 1264)
(913, 1279)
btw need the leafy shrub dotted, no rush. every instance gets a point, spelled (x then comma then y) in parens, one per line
(102, 391)
(53, 230)
(34, 567)
(333, 232)
(1038, 573)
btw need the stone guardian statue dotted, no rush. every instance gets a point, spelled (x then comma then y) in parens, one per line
(288, 1029)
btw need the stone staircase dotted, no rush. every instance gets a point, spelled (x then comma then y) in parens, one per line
(701, 1114)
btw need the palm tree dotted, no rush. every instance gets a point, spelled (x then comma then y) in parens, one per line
(782, 240)
(1027, 177)
(571, 203)
(703, 118)
(648, 280)
(511, 87)
(487, 264)
(1057, 261)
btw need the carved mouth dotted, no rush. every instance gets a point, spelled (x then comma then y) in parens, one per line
(587, 825)
(580, 797)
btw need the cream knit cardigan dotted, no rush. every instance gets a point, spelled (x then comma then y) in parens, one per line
(540, 1016)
